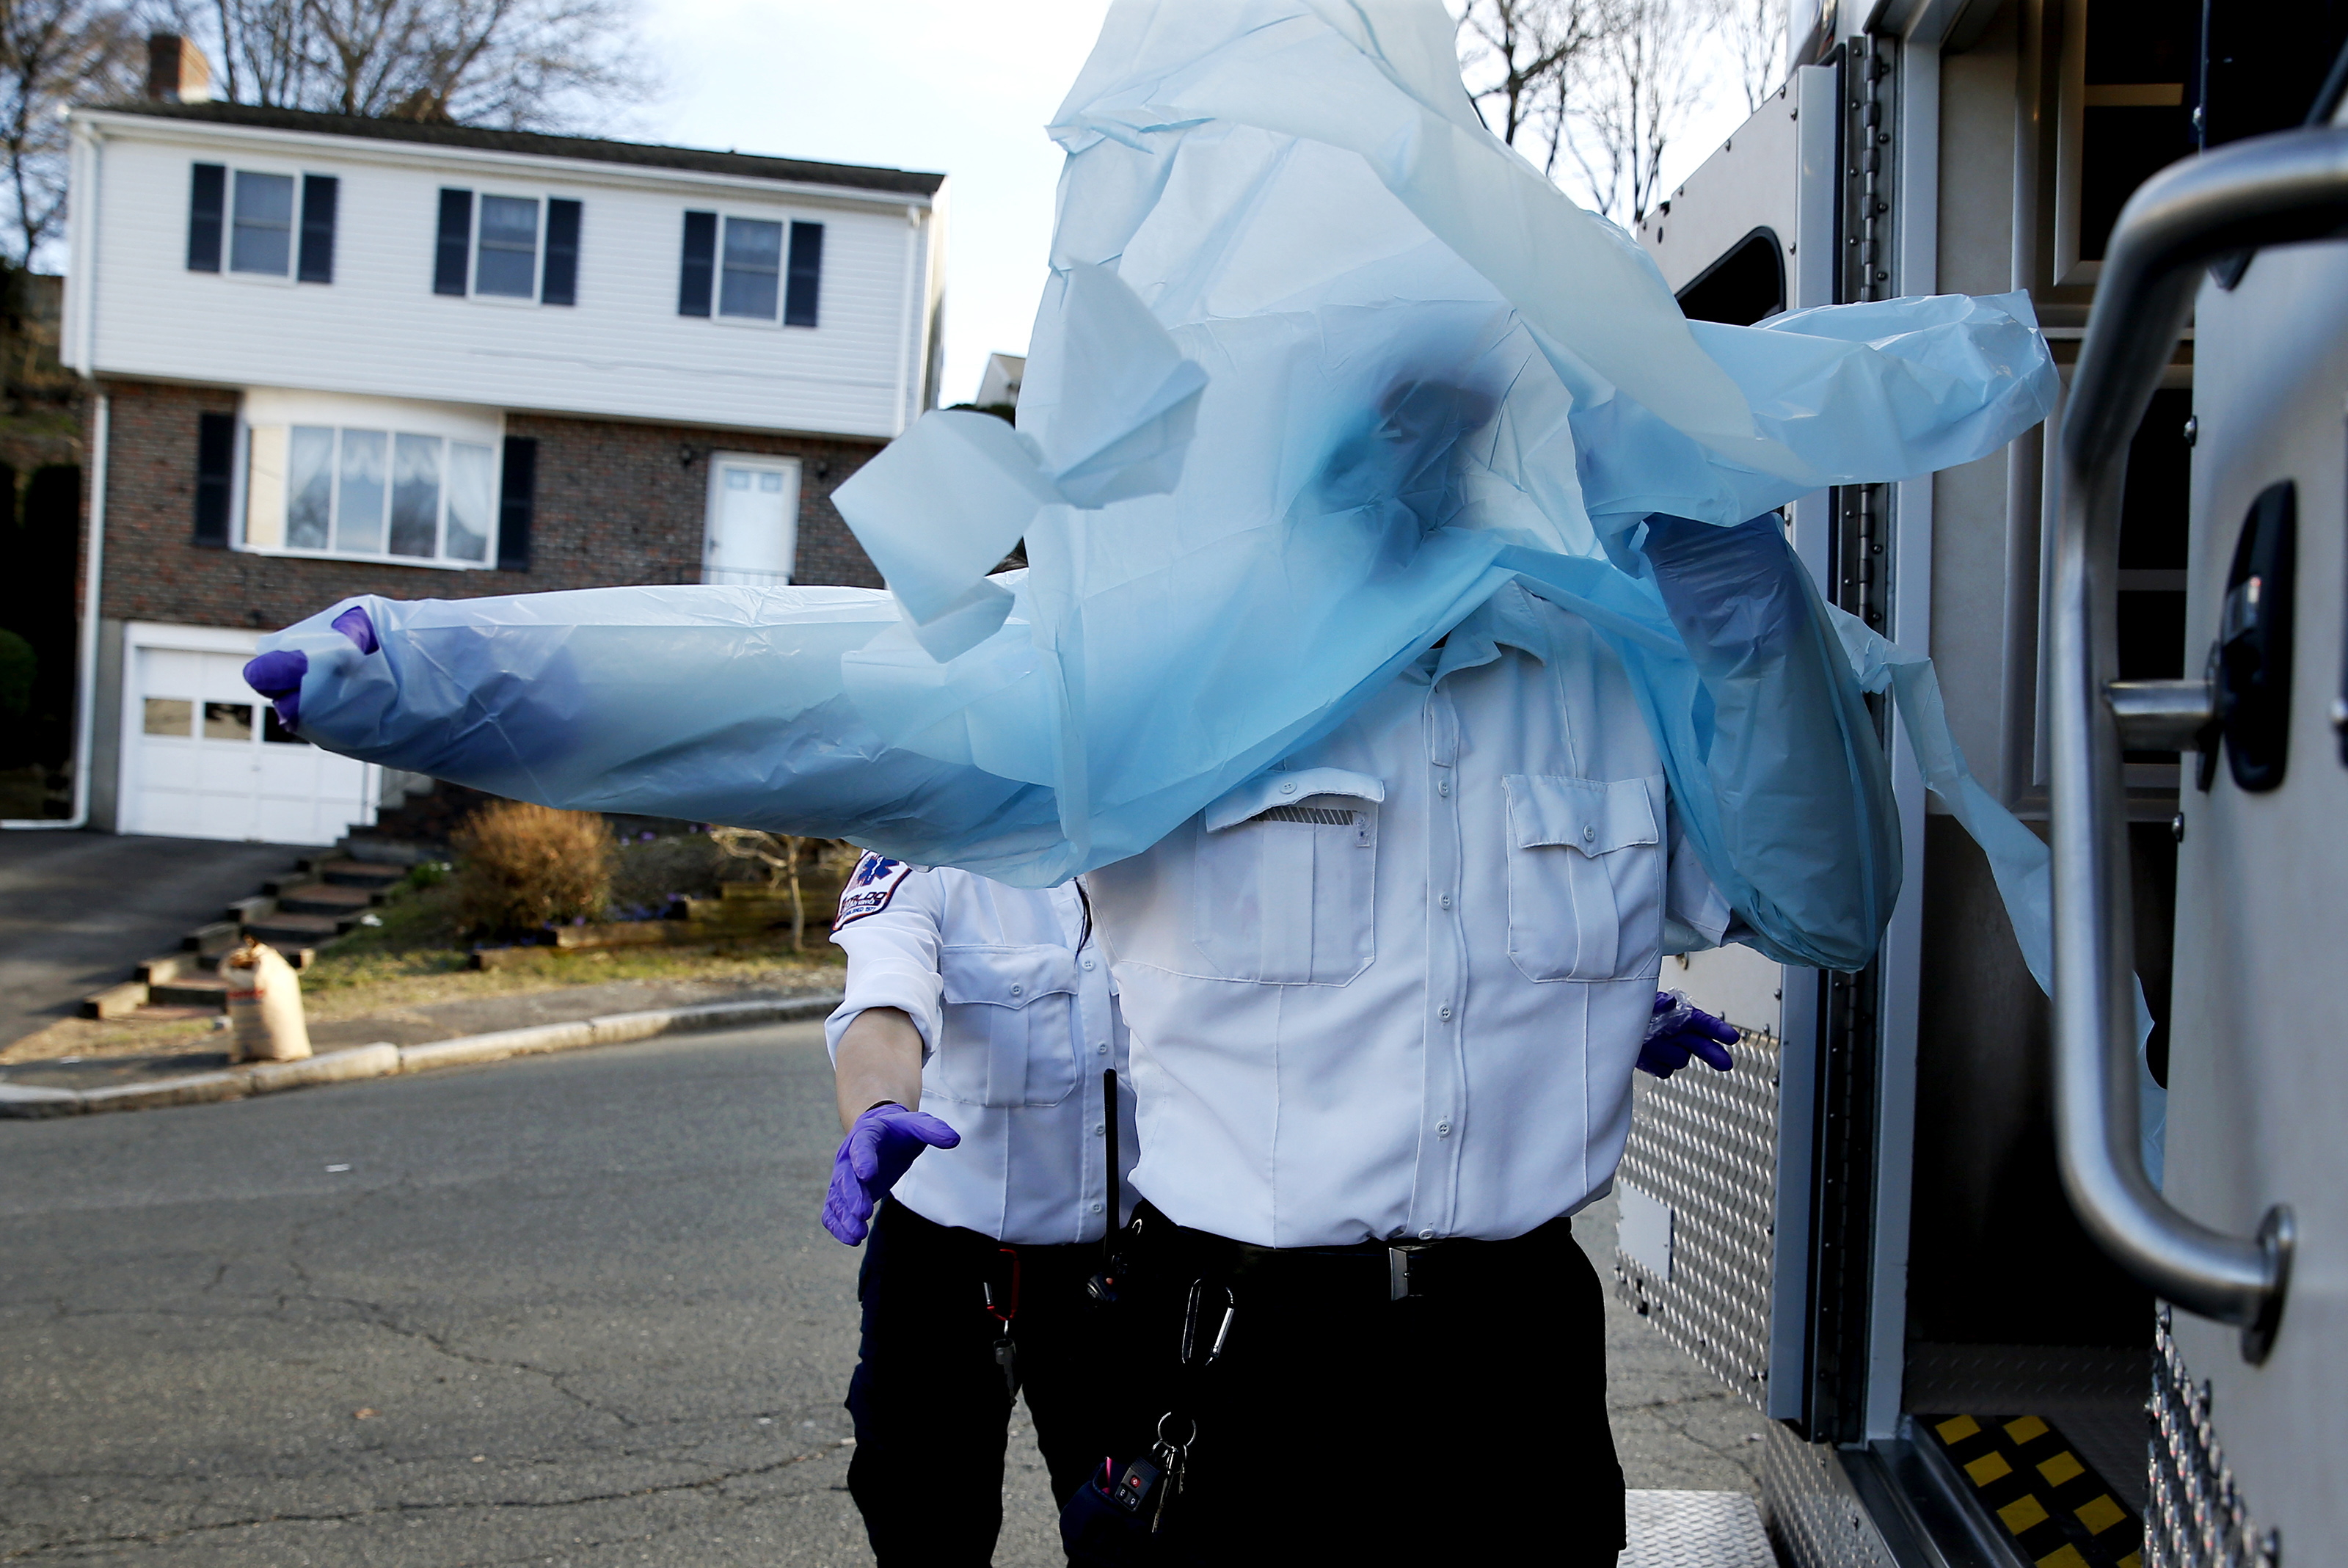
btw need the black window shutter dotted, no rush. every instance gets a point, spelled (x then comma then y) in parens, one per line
(517, 497)
(317, 262)
(448, 268)
(694, 279)
(805, 274)
(207, 200)
(561, 284)
(215, 461)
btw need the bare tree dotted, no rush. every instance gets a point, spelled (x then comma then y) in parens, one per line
(53, 53)
(1523, 51)
(1753, 32)
(1631, 94)
(519, 64)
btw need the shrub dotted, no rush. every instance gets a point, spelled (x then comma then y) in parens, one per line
(521, 867)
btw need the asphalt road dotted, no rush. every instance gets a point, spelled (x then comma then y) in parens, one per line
(78, 910)
(573, 1310)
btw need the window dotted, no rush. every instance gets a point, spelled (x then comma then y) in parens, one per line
(327, 478)
(757, 276)
(261, 237)
(507, 262)
(752, 281)
(254, 211)
(492, 248)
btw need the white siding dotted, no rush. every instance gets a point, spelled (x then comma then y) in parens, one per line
(623, 350)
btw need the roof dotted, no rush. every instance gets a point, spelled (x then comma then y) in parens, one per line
(641, 155)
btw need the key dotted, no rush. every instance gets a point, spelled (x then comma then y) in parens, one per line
(1007, 1355)
(1170, 1465)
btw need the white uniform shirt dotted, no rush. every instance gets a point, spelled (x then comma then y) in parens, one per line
(1016, 1027)
(1397, 986)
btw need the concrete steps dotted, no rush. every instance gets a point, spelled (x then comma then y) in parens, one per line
(320, 899)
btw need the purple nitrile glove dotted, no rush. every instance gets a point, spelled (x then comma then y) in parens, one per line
(277, 675)
(877, 1150)
(1677, 1031)
(355, 625)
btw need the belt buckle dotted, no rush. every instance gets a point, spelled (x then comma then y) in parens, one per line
(1398, 1272)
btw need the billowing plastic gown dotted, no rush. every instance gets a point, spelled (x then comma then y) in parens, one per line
(1319, 365)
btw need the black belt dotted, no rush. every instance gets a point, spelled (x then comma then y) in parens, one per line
(1456, 1266)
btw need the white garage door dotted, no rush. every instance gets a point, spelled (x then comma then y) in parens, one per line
(206, 758)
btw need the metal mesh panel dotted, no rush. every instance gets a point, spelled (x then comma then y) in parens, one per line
(1813, 1511)
(2197, 1518)
(1705, 1143)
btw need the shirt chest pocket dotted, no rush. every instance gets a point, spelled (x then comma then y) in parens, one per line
(1287, 870)
(1009, 1037)
(1585, 877)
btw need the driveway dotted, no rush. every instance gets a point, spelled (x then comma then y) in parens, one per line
(78, 911)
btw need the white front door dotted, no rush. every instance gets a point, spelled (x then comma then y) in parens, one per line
(204, 757)
(753, 532)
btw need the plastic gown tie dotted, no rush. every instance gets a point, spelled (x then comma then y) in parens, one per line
(1320, 366)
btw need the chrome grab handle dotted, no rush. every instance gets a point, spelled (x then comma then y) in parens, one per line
(2268, 191)
(2163, 716)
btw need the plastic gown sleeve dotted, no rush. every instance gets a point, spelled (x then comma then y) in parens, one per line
(713, 703)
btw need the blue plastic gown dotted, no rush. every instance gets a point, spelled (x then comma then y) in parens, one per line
(1319, 365)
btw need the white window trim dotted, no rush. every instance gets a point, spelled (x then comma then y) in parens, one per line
(782, 273)
(395, 417)
(292, 237)
(473, 251)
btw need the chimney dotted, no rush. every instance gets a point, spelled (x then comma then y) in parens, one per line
(177, 71)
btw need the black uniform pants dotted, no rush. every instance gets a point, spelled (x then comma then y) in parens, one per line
(929, 1398)
(1465, 1423)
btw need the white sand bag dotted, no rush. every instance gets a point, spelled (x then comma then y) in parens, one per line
(264, 1002)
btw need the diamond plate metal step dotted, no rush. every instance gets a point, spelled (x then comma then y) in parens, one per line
(1696, 1530)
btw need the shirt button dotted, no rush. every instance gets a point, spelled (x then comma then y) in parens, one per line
(1088, 963)
(1288, 788)
(1096, 1209)
(1447, 1013)
(1426, 1235)
(1098, 1129)
(1588, 832)
(1102, 1048)
(1443, 788)
(1442, 1129)
(1446, 901)
(1019, 990)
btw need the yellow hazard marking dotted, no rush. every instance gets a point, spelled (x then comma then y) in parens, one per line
(2025, 1428)
(2133, 1560)
(2068, 1557)
(1988, 1468)
(2101, 1514)
(2062, 1468)
(2024, 1513)
(1957, 1428)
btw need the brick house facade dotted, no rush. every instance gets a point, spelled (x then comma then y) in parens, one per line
(616, 503)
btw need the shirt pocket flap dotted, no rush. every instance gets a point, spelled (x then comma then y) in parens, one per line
(1266, 790)
(1005, 976)
(1593, 816)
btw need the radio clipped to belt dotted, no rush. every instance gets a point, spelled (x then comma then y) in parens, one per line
(1114, 1519)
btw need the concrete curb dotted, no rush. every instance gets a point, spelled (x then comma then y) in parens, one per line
(385, 1060)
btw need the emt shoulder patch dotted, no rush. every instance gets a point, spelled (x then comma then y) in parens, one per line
(871, 887)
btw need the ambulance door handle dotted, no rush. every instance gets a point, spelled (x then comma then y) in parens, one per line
(2163, 716)
(2265, 190)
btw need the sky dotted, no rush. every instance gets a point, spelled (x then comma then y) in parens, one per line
(956, 86)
